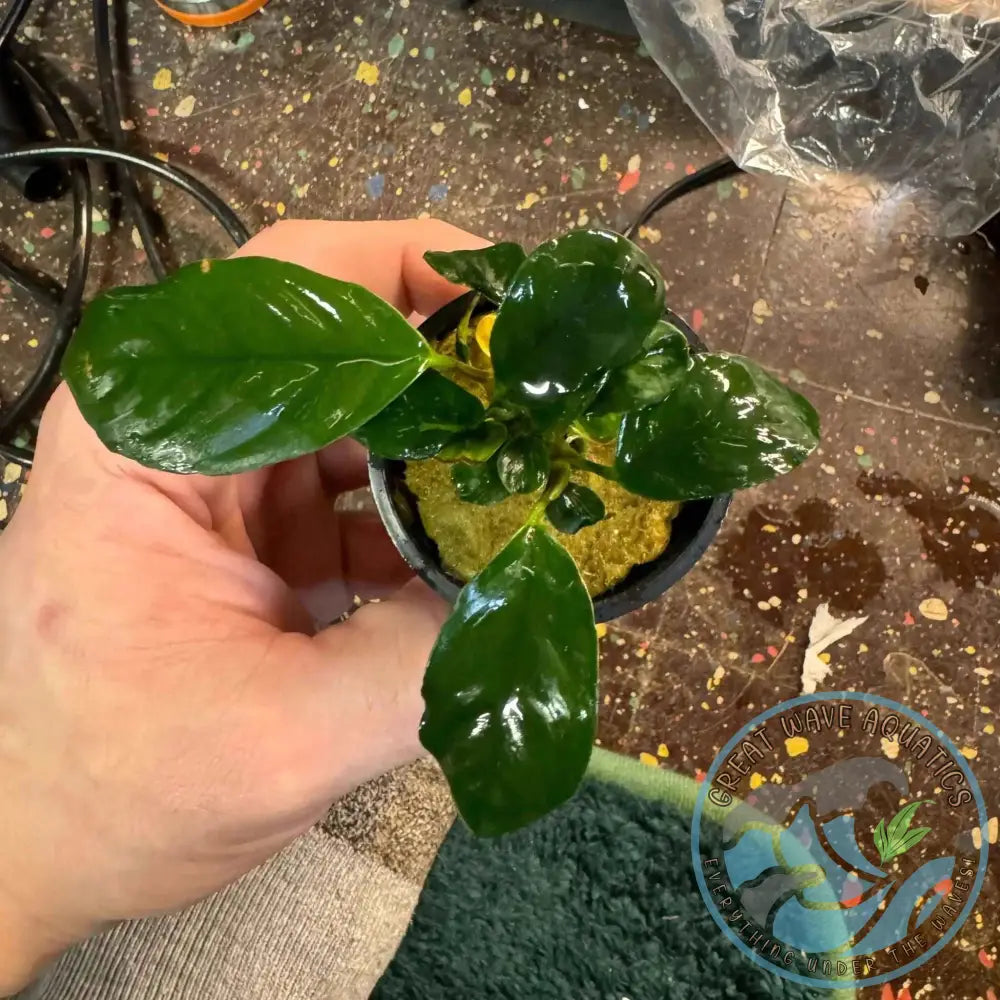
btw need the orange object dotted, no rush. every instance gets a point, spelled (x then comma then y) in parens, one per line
(628, 181)
(210, 13)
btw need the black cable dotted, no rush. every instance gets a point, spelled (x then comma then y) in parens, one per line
(711, 174)
(12, 453)
(187, 183)
(33, 283)
(111, 106)
(11, 20)
(70, 298)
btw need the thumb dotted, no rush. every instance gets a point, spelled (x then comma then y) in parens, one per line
(402, 629)
(357, 707)
(427, 290)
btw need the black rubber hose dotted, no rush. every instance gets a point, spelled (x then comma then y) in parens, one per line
(111, 106)
(187, 183)
(13, 15)
(12, 453)
(39, 286)
(67, 304)
(20, 123)
(711, 174)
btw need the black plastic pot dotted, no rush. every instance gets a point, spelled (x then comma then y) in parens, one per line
(692, 530)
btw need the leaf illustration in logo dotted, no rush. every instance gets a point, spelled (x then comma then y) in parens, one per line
(897, 838)
(881, 840)
(912, 839)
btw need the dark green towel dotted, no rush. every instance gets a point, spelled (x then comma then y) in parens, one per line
(597, 901)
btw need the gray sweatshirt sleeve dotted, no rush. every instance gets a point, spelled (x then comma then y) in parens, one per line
(319, 921)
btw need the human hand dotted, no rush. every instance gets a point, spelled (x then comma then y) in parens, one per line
(169, 717)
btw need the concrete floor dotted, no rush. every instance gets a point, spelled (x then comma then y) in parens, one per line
(514, 126)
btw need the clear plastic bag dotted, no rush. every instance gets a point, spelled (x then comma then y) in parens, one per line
(903, 98)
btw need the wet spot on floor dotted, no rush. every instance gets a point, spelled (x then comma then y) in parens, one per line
(959, 524)
(782, 557)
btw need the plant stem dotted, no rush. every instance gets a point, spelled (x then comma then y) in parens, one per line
(444, 363)
(558, 480)
(605, 471)
(537, 513)
(464, 332)
(563, 451)
(578, 430)
(473, 372)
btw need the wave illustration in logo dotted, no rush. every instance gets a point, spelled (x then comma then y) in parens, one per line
(811, 884)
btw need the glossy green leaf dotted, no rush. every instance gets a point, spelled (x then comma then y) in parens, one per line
(478, 483)
(664, 335)
(600, 428)
(726, 426)
(511, 687)
(650, 378)
(235, 364)
(476, 445)
(421, 420)
(575, 508)
(523, 464)
(488, 271)
(580, 305)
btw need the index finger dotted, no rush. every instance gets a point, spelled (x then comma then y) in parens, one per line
(385, 257)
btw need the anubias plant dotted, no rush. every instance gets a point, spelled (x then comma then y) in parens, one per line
(235, 364)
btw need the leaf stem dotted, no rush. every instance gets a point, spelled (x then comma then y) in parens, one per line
(558, 481)
(578, 429)
(445, 363)
(604, 471)
(463, 332)
(537, 513)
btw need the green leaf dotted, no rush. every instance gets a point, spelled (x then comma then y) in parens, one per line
(478, 483)
(664, 336)
(235, 364)
(420, 421)
(580, 305)
(600, 428)
(575, 508)
(910, 839)
(651, 377)
(726, 426)
(523, 464)
(476, 445)
(900, 823)
(511, 687)
(488, 271)
(881, 840)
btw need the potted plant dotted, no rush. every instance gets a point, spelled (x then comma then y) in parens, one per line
(553, 406)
